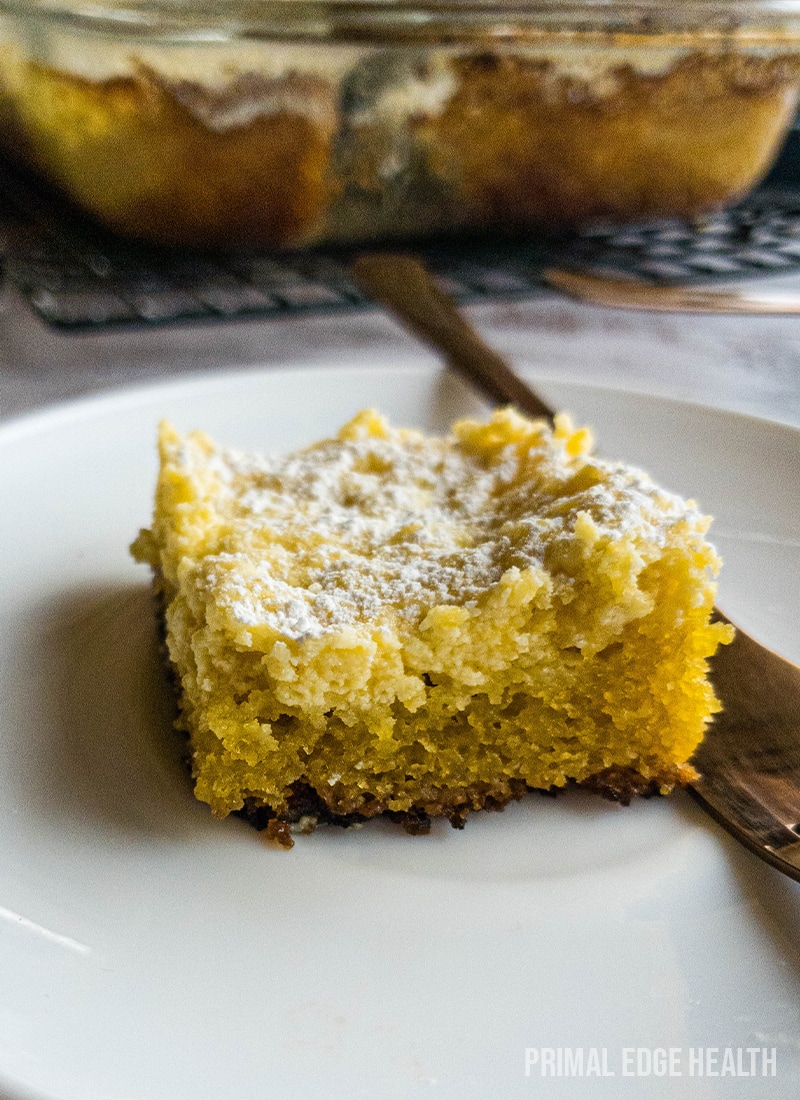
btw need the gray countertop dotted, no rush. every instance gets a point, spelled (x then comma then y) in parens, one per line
(746, 363)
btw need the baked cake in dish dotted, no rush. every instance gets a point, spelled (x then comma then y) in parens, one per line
(386, 622)
(284, 141)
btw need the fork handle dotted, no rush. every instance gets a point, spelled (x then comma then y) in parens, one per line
(401, 283)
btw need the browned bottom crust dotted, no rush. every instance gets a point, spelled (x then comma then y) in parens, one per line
(307, 808)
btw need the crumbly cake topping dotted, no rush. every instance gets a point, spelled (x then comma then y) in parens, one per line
(394, 523)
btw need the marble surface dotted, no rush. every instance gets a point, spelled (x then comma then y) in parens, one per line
(746, 363)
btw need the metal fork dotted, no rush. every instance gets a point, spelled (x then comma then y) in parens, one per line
(750, 758)
(606, 290)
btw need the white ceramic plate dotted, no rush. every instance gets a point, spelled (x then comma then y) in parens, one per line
(150, 953)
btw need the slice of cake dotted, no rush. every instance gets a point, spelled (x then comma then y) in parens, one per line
(386, 622)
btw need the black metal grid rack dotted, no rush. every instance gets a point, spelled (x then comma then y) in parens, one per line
(77, 277)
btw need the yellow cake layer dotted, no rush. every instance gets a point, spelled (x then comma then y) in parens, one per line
(400, 622)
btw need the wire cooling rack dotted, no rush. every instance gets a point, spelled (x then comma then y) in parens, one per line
(76, 277)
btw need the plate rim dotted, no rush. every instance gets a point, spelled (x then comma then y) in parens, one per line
(119, 397)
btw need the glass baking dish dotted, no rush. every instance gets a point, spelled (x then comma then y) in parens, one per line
(283, 123)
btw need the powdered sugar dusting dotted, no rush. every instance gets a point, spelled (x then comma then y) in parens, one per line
(369, 526)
